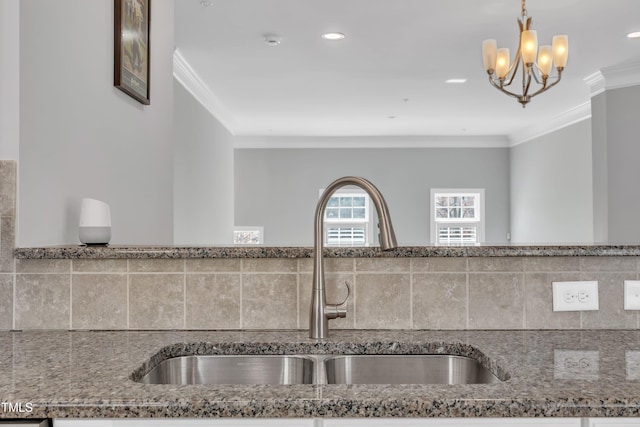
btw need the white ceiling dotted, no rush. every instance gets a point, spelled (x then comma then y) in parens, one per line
(387, 77)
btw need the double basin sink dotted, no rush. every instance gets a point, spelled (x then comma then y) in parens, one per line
(320, 369)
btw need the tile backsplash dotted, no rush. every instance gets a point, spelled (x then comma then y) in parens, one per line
(263, 293)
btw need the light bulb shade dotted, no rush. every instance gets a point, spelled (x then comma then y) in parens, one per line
(502, 62)
(560, 46)
(545, 60)
(489, 54)
(529, 46)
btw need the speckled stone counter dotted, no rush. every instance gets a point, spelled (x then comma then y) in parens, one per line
(171, 252)
(88, 374)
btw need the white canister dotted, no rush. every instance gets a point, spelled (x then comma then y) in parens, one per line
(95, 222)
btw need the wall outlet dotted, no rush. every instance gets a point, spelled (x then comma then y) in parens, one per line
(576, 365)
(575, 296)
(632, 294)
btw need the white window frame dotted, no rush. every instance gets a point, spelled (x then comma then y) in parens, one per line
(346, 223)
(480, 222)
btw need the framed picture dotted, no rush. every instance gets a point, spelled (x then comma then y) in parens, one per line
(131, 48)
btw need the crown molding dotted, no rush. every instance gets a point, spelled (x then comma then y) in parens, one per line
(614, 77)
(568, 118)
(445, 141)
(190, 80)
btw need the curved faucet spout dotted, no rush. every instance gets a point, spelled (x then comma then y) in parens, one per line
(321, 312)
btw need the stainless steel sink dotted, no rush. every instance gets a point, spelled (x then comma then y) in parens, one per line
(320, 369)
(406, 369)
(233, 370)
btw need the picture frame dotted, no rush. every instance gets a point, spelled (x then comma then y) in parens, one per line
(132, 23)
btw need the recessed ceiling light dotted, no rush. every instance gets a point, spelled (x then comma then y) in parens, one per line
(634, 35)
(456, 81)
(333, 36)
(272, 40)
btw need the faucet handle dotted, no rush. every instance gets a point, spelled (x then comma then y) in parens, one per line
(343, 304)
(333, 311)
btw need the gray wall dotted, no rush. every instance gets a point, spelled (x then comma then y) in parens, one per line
(203, 174)
(620, 112)
(81, 137)
(551, 188)
(9, 79)
(278, 188)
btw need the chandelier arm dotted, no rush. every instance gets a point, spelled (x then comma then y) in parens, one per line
(525, 87)
(546, 87)
(502, 89)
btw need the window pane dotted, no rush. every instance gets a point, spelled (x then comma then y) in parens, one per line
(454, 201)
(359, 213)
(358, 201)
(346, 201)
(454, 213)
(346, 213)
(442, 213)
(333, 202)
(332, 213)
(468, 213)
(468, 201)
(441, 201)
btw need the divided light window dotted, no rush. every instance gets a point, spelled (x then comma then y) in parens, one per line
(457, 217)
(346, 219)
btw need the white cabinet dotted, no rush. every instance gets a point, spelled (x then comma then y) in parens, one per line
(613, 422)
(452, 422)
(330, 422)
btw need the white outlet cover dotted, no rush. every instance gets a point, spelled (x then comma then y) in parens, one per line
(632, 294)
(575, 296)
(576, 364)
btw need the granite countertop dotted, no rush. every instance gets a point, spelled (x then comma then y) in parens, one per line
(88, 374)
(172, 252)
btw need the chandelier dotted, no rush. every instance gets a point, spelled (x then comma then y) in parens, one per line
(535, 65)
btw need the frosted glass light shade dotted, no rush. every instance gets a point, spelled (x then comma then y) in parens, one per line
(545, 60)
(529, 46)
(489, 54)
(502, 62)
(560, 46)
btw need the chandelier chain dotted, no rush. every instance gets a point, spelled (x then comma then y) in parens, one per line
(524, 9)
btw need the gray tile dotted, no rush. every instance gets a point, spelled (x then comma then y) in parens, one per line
(45, 266)
(539, 312)
(156, 265)
(496, 301)
(217, 265)
(552, 264)
(42, 301)
(385, 265)
(452, 264)
(440, 301)
(213, 301)
(7, 243)
(496, 264)
(269, 301)
(99, 265)
(611, 314)
(269, 265)
(6, 301)
(608, 263)
(330, 265)
(8, 178)
(383, 301)
(99, 301)
(336, 293)
(156, 301)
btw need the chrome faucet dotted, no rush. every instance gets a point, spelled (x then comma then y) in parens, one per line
(321, 312)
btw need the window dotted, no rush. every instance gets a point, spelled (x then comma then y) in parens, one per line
(457, 216)
(347, 219)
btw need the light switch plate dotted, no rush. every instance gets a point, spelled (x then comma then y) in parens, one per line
(632, 294)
